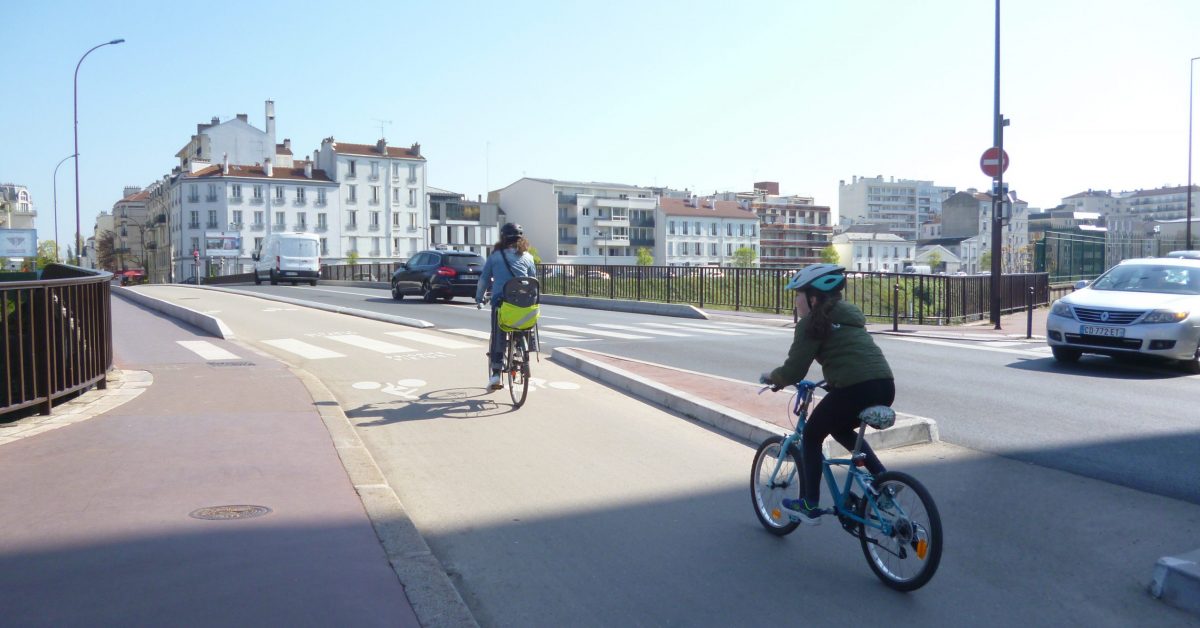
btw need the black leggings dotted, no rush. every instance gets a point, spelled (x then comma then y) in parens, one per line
(837, 414)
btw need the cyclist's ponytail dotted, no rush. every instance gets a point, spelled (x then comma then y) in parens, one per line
(820, 319)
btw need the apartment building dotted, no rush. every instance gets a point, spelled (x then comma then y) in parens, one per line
(131, 225)
(462, 224)
(969, 215)
(382, 193)
(573, 222)
(794, 229)
(903, 205)
(698, 231)
(16, 207)
(873, 251)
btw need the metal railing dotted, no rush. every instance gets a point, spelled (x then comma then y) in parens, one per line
(57, 336)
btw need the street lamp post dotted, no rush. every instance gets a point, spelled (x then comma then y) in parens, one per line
(78, 230)
(64, 159)
(1188, 224)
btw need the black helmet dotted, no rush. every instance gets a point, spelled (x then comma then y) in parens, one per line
(511, 232)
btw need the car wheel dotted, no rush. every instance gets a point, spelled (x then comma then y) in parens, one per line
(257, 279)
(427, 293)
(274, 279)
(312, 282)
(1062, 354)
(448, 298)
(1193, 365)
(396, 294)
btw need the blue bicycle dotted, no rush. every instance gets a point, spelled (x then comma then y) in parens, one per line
(893, 516)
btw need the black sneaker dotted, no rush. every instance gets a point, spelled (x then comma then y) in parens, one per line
(801, 511)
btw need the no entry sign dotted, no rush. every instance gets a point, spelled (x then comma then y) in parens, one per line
(993, 162)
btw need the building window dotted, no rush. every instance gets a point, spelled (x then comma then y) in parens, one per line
(374, 169)
(351, 193)
(301, 220)
(697, 245)
(729, 248)
(353, 169)
(587, 231)
(396, 173)
(237, 218)
(396, 195)
(212, 193)
(412, 198)
(374, 194)
(354, 244)
(412, 221)
(671, 227)
(194, 221)
(258, 218)
(258, 192)
(712, 228)
(374, 220)
(212, 219)
(396, 241)
(670, 248)
(412, 173)
(195, 244)
(353, 215)
(324, 246)
(279, 220)
(236, 190)
(258, 244)
(729, 228)
(587, 250)
(712, 248)
(193, 193)
(321, 221)
(321, 196)
(300, 194)
(279, 193)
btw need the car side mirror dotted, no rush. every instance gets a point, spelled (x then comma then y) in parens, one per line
(1081, 284)
(254, 256)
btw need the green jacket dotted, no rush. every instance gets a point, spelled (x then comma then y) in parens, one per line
(847, 357)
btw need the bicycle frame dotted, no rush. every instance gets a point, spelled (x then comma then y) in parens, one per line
(854, 475)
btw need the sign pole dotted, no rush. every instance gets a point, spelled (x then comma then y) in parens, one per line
(997, 141)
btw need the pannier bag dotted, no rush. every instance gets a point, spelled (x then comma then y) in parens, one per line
(519, 310)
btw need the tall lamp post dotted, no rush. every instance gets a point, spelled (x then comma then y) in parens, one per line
(1188, 224)
(78, 230)
(64, 159)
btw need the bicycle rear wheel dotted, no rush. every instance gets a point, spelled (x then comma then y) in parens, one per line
(907, 555)
(767, 495)
(518, 369)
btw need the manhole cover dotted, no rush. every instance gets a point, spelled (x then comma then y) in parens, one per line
(231, 364)
(219, 513)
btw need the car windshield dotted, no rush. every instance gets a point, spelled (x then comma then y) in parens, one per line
(1150, 278)
(461, 261)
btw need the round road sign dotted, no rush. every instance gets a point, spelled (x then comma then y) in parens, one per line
(993, 162)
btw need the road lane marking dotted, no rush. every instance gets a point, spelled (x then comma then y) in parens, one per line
(562, 336)
(303, 349)
(597, 332)
(207, 350)
(432, 339)
(698, 328)
(370, 344)
(976, 347)
(758, 329)
(657, 332)
(473, 333)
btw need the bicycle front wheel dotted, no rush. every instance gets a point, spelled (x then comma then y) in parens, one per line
(902, 536)
(518, 369)
(767, 494)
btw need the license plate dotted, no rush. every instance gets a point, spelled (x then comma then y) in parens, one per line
(288, 273)
(1109, 332)
(466, 276)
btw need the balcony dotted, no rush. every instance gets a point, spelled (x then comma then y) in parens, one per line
(373, 228)
(321, 228)
(300, 202)
(258, 226)
(411, 180)
(257, 200)
(641, 242)
(300, 227)
(193, 199)
(352, 226)
(568, 240)
(568, 220)
(193, 225)
(612, 241)
(373, 177)
(235, 226)
(568, 199)
(210, 225)
(211, 198)
(645, 222)
(235, 200)
(620, 222)
(279, 200)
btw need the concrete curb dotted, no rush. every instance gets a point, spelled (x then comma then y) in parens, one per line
(908, 430)
(349, 311)
(430, 591)
(206, 322)
(123, 386)
(1177, 581)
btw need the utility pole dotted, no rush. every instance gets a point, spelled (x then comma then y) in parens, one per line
(998, 124)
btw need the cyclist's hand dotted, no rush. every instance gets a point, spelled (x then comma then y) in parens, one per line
(765, 379)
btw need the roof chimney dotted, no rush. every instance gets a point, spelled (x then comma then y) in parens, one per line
(216, 121)
(416, 149)
(225, 165)
(243, 117)
(381, 146)
(308, 170)
(268, 168)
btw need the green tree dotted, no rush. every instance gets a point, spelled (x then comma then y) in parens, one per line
(934, 260)
(829, 255)
(644, 258)
(105, 257)
(744, 257)
(352, 258)
(46, 253)
(985, 261)
(537, 257)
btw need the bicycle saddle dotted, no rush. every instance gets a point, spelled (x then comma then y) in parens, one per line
(878, 417)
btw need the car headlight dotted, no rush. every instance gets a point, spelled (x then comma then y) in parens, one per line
(1165, 316)
(1061, 309)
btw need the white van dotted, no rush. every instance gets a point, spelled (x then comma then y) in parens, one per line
(290, 257)
(918, 269)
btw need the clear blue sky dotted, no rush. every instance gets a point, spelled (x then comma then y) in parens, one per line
(698, 94)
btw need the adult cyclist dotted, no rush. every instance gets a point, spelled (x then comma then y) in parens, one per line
(509, 258)
(832, 333)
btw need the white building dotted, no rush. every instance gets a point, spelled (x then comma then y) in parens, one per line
(873, 251)
(382, 195)
(703, 232)
(16, 207)
(903, 205)
(571, 222)
(462, 224)
(250, 201)
(234, 140)
(131, 224)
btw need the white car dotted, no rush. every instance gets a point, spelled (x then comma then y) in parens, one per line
(1139, 307)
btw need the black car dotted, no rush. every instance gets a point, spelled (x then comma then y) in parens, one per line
(438, 274)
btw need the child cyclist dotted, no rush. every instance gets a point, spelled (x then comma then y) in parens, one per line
(833, 333)
(510, 258)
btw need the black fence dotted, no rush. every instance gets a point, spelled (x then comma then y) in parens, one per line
(57, 336)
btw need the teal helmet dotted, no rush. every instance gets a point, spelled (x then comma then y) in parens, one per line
(822, 277)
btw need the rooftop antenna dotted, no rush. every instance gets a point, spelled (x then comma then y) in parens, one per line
(382, 135)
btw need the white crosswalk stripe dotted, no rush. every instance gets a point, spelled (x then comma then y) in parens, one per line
(206, 350)
(303, 349)
(749, 329)
(370, 344)
(656, 332)
(698, 329)
(473, 333)
(433, 339)
(597, 332)
(561, 336)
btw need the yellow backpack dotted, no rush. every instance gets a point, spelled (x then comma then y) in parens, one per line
(519, 310)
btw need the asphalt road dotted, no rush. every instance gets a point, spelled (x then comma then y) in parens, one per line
(1134, 425)
(586, 507)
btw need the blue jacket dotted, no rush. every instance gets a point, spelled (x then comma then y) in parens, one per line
(495, 272)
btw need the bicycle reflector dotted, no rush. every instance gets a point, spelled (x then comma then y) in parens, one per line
(922, 548)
